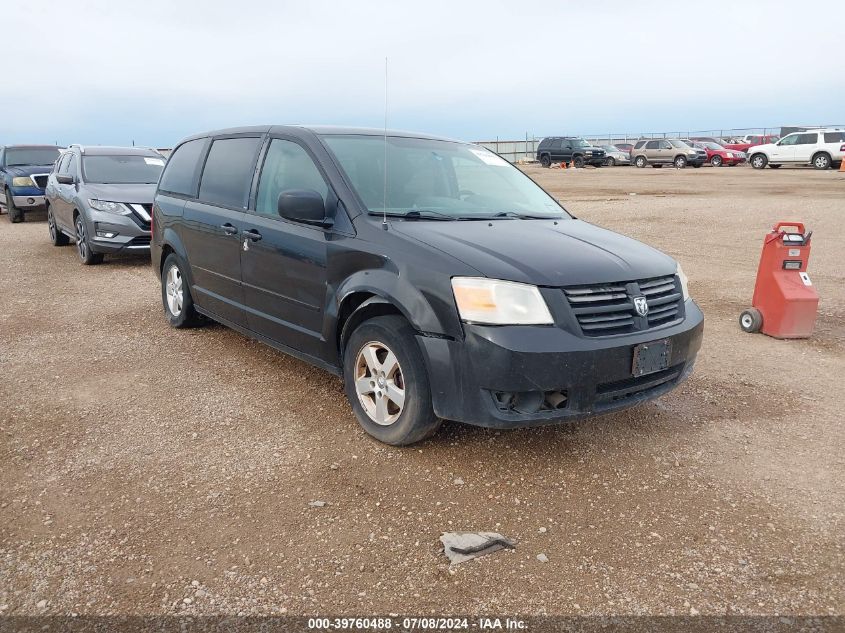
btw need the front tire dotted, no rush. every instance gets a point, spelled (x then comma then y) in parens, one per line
(610, 162)
(578, 161)
(15, 214)
(759, 161)
(83, 245)
(680, 162)
(56, 236)
(716, 161)
(176, 295)
(387, 382)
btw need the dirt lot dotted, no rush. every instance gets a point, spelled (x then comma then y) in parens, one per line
(148, 470)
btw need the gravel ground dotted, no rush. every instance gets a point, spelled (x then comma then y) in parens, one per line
(153, 471)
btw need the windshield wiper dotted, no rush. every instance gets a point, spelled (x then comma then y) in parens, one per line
(525, 216)
(416, 214)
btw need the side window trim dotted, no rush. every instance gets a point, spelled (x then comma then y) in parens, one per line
(207, 150)
(256, 180)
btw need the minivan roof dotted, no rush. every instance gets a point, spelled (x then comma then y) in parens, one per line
(319, 130)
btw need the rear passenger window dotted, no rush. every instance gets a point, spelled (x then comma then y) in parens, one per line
(834, 137)
(652, 145)
(807, 139)
(180, 173)
(228, 172)
(286, 166)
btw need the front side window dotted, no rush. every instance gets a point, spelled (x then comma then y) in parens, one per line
(180, 172)
(38, 156)
(228, 171)
(440, 178)
(72, 166)
(665, 145)
(792, 139)
(112, 170)
(286, 166)
(61, 167)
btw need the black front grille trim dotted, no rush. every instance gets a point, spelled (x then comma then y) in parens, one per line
(608, 309)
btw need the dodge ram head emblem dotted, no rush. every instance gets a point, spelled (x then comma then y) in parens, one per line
(641, 306)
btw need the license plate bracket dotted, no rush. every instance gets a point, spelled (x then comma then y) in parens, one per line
(651, 357)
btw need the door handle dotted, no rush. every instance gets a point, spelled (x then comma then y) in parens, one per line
(253, 235)
(229, 229)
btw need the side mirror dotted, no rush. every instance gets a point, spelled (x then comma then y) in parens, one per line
(303, 205)
(64, 179)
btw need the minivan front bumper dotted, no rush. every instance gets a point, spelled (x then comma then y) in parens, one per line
(518, 376)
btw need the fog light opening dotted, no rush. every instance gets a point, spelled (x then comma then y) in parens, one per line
(106, 234)
(30, 200)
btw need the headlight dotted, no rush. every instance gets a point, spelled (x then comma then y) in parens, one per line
(109, 207)
(684, 282)
(23, 181)
(495, 302)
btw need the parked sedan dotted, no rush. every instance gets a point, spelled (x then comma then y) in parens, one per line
(718, 155)
(615, 156)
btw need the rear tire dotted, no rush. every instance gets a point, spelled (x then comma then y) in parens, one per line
(640, 161)
(751, 320)
(759, 161)
(15, 214)
(176, 295)
(382, 361)
(56, 236)
(822, 161)
(546, 160)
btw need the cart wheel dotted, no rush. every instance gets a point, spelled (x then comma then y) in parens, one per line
(751, 320)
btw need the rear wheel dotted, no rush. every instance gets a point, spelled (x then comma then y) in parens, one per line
(56, 236)
(578, 161)
(716, 160)
(640, 161)
(15, 214)
(545, 160)
(751, 320)
(759, 161)
(822, 161)
(387, 382)
(176, 295)
(83, 245)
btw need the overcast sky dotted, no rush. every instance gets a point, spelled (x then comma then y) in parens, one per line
(110, 72)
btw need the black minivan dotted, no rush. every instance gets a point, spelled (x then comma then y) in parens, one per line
(437, 279)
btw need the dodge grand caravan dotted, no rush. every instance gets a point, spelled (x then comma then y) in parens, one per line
(437, 279)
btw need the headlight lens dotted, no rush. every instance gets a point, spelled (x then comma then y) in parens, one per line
(22, 181)
(684, 282)
(109, 207)
(495, 302)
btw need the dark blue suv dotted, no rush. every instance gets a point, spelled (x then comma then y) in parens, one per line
(23, 177)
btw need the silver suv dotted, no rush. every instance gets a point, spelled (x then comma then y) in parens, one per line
(102, 198)
(666, 151)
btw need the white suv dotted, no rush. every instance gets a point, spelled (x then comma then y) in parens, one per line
(822, 148)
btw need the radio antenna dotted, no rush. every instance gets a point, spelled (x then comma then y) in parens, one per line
(384, 207)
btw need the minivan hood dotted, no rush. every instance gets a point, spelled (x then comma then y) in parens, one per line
(139, 194)
(542, 252)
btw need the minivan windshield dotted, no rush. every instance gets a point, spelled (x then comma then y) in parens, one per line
(130, 169)
(34, 156)
(433, 179)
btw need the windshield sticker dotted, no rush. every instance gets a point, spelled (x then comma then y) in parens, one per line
(489, 157)
(154, 161)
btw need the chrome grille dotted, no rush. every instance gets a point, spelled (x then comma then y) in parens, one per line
(607, 309)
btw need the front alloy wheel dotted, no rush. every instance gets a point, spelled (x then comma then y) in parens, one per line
(680, 162)
(716, 161)
(83, 247)
(759, 161)
(379, 383)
